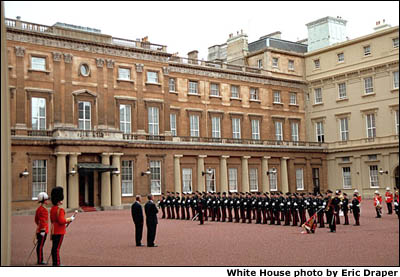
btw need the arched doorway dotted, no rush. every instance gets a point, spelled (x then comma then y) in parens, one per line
(396, 177)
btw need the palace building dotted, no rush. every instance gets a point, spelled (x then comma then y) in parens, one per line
(108, 118)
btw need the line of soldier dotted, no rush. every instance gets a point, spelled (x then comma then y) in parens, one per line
(275, 207)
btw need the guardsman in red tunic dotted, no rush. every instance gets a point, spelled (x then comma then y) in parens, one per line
(389, 200)
(58, 223)
(42, 222)
(378, 204)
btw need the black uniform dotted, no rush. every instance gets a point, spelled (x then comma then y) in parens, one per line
(345, 209)
(249, 209)
(355, 208)
(277, 209)
(230, 205)
(187, 205)
(177, 206)
(151, 222)
(173, 203)
(236, 208)
(224, 204)
(259, 207)
(168, 204)
(162, 206)
(137, 217)
(183, 204)
(321, 211)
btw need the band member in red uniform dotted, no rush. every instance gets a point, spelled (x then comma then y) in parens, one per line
(389, 200)
(378, 204)
(42, 229)
(58, 223)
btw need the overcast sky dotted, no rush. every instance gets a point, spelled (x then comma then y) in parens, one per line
(187, 26)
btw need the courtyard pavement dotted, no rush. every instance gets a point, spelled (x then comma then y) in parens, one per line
(106, 238)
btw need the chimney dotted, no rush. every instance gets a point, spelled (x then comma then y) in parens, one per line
(193, 56)
(237, 48)
(381, 25)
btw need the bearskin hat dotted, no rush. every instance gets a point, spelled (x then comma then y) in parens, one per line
(57, 195)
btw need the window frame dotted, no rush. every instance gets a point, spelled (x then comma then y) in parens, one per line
(154, 130)
(127, 183)
(342, 90)
(172, 124)
(278, 136)
(275, 94)
(184, 180)
(236, 128)
(34, 64)
(373, 178)
(193, 86)
(238, 91)
(253, 94)
(40, 184)
(194, 132)
(127, 120)
(260, 63)
(253, 179)
(173, 84)
(38, 117)
(367, 50)
(317, 64)
(215, 132)
(84, 119)
(273, 182)
(233, 181)
(210, 180)
(318, 96)
(294, 135)
(340, 57)
(344, 133)
(214, 90)
(291, 65)
(255, 129)
(346, 177)
(154, 180)
(275, 62)
(371, 120)
(293, 95)
(319, 131)
(394, 42)
(128, 78)
(394, 79)
(370, 88)
(300, 185)
(150, 80)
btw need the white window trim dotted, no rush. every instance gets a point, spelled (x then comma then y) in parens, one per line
(318, 100)
(371, 177)
(255, 129)
(230, 181)
(194, 126)
(153, 120)
(348, 178)
(277, 93)
(293, 96)
(211, 178)
(184, 174)
(251, 172)
(174, 85)
(300, 182)
(128, 78)
(394, 80)
(127, 120)
(38, 66)
(346, 132)
(236, 132)
(129, 182)
(150, 80)
(172, 124)
(371, 87)
(40, 127)
(295, 135)
(372, 128)
(278, 127)
(84, 119)
(320, 131)
(273, 179)
(193, 87)
(35, 197)
(237, 91)
(344, 96)
(214, 89)
(216, 127)
(151, 178)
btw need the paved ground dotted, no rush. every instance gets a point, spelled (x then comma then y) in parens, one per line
(107, 238)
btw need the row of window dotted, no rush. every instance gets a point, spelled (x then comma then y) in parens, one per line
(342, 90)
(366, 52)
(39, 178)
(275, 63)
(373, 177)
(344, 127)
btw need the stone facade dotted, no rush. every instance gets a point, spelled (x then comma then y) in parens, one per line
(154, 86)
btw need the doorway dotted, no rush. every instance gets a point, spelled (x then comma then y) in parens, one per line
(86, 189)
(396, 177)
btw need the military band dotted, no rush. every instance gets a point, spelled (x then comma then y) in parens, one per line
(274, 208)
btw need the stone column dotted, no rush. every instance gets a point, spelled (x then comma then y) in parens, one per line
(224, 174)
(264, 175)
(73, 181)
(61, 175)
(116, 180)
(284, 174)
(245, 174)
(177, 173)
(105, 182)
(200, 169)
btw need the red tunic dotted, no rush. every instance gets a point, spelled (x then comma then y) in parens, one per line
(389, 197)
(359, 198)
(58, 221)
(42, 219)
(377, 199)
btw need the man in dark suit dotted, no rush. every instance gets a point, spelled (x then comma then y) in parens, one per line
(137, 216)
(151, 221)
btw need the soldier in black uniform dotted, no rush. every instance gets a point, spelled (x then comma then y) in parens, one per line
(308, 204)
(338, 206)
(287, 207)
(253, 204)
(198, 205)
(243, 207)
(355, 209)
(229, 205)
(194, 204)
(177, 204)
(272, 204)
(249, 207)
(218, 209)
(259, 206)
(224, 204)
(207, 205)
(183, 204)
(313, 205)
(168, 204)
(282, 206)
(161, 204)
(321, 210)
(173, 201)
(331, 208)
(302, 209)
(345, 209)
(277, 209)
(187, 206)
(326, 199)
(396, 203)
(267, 205)
(236, 207)
(295, 208)
(264, 208)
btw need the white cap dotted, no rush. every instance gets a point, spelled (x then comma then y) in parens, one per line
(355, 190)
(42, 196)
(376, 192)
(387, 188)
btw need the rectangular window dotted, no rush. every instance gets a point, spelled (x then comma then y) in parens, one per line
(124, 73)
(193, 87)
(342, 91)
(344, 129)
(187, 180)
(371, 128)
(299, 179)
(273, 182)
(125, 118)
(253, 93)
(236, 128)
(38, 63)
(367, 50)
(318, 95)
(253, 179)
(395, 42)
(293, 98)
(259, 64)
(172, 124)
(275, 62)
(396, 119)
(152, 77)
(346, 177)
(315, 175)
(372, 157)
(396, 79)
(39, 178)
(319, 127)
(84, 112)
(153, 121)
(194, 126)
(278, 130)
(277, 96)
(155, 177)
(373, 176)
(316, 64)
(295, 131)
(171, 85)
(345, 159)
(127, 178)
(340, 57)
(291, 65)
(216, 127)
(38, 113)
(232, 179)
(235, 91)
(255, 129)
(368, 85)
(214, 90)
(210, 180)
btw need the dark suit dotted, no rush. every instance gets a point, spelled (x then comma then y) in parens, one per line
(151, 221)
(137, 216)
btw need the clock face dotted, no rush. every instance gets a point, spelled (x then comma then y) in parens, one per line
(84, 70)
